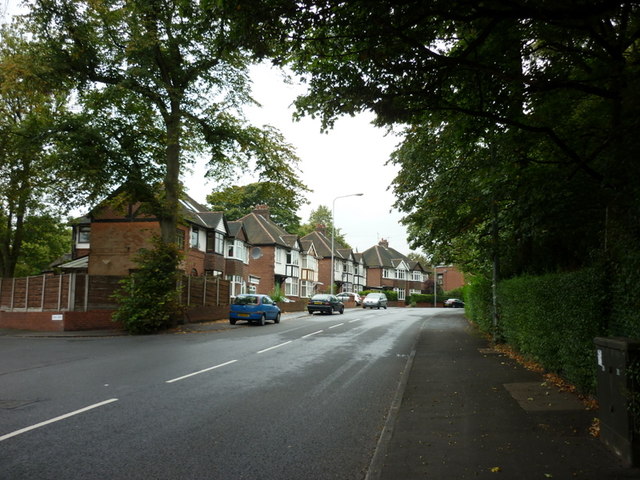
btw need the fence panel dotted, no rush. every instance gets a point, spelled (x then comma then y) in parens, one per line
(80, 292)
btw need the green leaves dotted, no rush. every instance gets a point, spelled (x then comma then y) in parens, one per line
(149, 298)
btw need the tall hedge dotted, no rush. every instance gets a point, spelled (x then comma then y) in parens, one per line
(554, 319)
(551, 318)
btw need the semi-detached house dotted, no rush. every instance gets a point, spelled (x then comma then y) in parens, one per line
(254, 254)
(388, 269)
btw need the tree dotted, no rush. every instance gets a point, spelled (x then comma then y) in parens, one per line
(184, 61)
(323, 216)
(28, 110)
(520, 118)
(46, 239)
(283, 202)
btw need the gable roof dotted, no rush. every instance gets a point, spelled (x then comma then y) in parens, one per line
(323, 244)
(262, 231)
(384, 257)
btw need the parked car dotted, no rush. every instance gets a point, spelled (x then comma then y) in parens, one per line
(375, 300)
(325, 303)
(254, 308)
(350, 296)
(454, 303)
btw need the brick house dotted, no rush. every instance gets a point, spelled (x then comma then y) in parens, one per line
(106, 240)
(276, 255)
(448, 277)
(348, 270)
(388, 269)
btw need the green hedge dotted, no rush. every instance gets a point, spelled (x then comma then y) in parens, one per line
(391, 295)
(552, 319)
(420, 298)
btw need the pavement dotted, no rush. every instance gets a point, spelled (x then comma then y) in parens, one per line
(465, 410)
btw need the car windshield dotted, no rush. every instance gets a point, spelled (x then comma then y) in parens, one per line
(245, 300)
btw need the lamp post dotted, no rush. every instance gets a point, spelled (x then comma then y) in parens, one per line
(333, 230)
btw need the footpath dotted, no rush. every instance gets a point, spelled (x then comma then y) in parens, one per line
(469, 412)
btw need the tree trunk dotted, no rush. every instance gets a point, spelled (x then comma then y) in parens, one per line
(169, 212)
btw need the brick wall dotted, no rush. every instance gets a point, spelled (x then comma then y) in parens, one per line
(114, 244)
(264, 268)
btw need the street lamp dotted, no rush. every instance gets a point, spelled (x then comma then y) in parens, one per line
(333, 230)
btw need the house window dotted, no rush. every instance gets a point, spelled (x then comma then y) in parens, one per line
(219, 247)
(400, 274)
(280, 255)
(400, 292)
(291, 287)
(180, 238)
(386, 273)
(306, 288)
(195, 233)
(230, 246)
(84, 234)
(215, 242)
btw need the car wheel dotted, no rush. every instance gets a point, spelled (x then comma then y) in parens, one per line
(385, 307)
(262, 320)
(232, 321)
(341, 310)
(277, 319)
(378, 307)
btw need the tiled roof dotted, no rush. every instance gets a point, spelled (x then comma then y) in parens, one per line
(385, 257)
(262, 231)
(323, 244)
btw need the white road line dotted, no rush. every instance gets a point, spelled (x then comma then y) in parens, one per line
(311, 334)
(274, 347)
(356, 320)
(57, 419)
(201, 371)
(334, 326)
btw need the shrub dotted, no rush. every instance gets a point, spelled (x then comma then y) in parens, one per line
(554, 318)
(391, 295)
(148, 299)
(420, 298)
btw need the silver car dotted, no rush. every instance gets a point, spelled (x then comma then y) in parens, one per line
(375, 300)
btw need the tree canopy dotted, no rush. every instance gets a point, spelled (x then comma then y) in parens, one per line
(181, 68)
(521, 118)
(283, 202)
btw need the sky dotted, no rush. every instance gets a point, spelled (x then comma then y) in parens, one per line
(349, 159)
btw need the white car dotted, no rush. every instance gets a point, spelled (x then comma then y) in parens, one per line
(350, 296)
(375, 300)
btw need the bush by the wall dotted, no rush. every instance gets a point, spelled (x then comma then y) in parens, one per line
(455, 293)
(554, 319)
(391, 295)
(148, 299)
(478, 304)
(420, 298)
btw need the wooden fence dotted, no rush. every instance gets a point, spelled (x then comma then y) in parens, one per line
(79, 292)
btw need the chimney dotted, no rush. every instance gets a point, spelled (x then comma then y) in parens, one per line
(262, 210)
(383, 243)
(320, 228)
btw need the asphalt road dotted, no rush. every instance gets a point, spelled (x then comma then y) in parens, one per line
(305, 399)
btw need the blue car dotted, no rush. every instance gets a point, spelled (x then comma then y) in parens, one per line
(254, 308)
